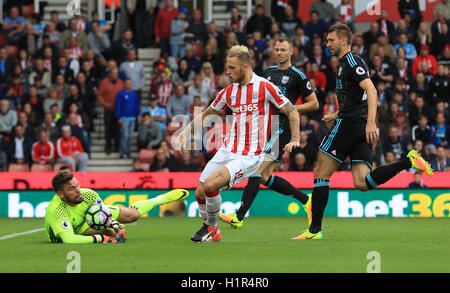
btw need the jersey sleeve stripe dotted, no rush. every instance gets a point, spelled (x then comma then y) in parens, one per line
(219, 96)
(302, 75)
(248, 122)
(218, 99)
(238, 120)
(351, 60)
(262, 117)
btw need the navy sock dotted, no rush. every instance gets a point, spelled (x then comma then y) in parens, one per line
(319, 202)
(249, 195)
(384, 173)
(283, 186)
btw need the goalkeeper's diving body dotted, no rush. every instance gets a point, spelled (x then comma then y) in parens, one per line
(65, 217)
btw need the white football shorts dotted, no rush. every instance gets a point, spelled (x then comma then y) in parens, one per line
(239, 166)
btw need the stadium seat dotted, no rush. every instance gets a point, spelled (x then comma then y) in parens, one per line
(18, 168)
(41, 168)
(27, 11)
(146, 155)
(58, 167)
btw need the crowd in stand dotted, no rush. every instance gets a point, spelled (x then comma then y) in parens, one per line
(53, 75)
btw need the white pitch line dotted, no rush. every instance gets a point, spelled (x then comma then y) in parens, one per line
(21, 233)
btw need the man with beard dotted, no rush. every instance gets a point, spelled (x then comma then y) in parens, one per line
(293, 84)
(65, 217)
(353, 132)
(251, 99)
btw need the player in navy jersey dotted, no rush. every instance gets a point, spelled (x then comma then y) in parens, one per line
(352, 131)
(294, 84)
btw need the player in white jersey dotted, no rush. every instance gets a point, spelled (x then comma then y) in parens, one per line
(252, 100)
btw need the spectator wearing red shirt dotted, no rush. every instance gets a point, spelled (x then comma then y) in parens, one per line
(318, 76)
(43, 150)
(425, 62)
(163, 89)
(108, 89)
(70, 151)
(162, 25)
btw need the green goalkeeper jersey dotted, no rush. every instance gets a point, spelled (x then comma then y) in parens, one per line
(65, 223)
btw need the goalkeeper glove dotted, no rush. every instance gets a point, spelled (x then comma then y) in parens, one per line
(107, 239)
(119, 229)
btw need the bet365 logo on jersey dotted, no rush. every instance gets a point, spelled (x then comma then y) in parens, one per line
(246, 108)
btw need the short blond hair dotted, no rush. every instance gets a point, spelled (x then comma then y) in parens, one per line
(241, 52)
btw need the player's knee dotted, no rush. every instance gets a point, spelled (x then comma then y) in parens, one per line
(361, 185)
(265, 178)
(131, 215)
(200, 193)
(209, 186)
(319, 173)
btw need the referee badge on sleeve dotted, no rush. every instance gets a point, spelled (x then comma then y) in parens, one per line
(308, 85)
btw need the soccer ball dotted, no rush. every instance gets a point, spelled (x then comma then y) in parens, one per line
(98, 217)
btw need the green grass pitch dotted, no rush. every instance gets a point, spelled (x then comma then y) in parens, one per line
(263, 245)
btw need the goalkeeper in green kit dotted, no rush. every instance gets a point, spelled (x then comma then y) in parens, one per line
(65, 218)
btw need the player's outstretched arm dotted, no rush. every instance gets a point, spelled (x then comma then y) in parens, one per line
(71, 238)
(294, 123)
(311, 104)
(371, 127)
(180, 141)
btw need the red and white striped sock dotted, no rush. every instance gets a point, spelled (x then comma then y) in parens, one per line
(213, 206)
(202, 208)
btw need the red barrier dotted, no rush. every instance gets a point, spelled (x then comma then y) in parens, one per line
(149, 180)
